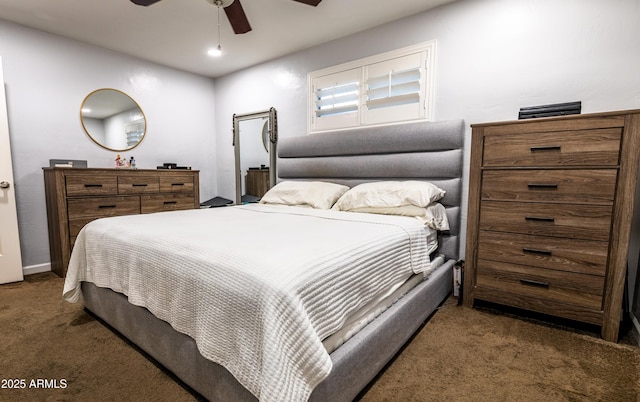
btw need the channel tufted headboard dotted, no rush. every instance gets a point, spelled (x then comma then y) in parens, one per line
(414, 151)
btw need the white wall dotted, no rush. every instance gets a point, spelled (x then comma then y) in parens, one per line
(493, 57)
(47, 77)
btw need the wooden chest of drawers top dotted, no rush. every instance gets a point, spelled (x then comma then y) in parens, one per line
(554, 148)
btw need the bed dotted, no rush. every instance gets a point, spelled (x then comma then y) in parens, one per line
(417, 152)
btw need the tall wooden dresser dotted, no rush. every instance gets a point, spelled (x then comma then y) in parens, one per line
(550, 209)
(76, 196)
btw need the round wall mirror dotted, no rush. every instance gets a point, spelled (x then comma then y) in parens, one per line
(113, 120)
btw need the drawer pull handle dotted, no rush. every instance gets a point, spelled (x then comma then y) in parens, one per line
(177, 184)
(106, 206)
(93, 185)
(139, 184)
(539, 218)
(547, 148)
(542, 186)
(536, 251)
(539, 284)
(170, 202)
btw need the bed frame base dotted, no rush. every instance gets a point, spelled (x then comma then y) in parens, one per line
(354, 366)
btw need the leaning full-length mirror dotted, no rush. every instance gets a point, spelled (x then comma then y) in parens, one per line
(113, 120)
(255, 136)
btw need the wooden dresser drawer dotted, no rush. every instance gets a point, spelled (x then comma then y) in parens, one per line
(103, 206)
(94, 184)
(564, 148)
(176, 184)
(564, 287)
(590, 222)
(165, 202)
(563, 254)
(138, 184)
(588, 186)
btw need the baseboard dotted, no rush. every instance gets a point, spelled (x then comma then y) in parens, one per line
(636, 328)
(36, 269)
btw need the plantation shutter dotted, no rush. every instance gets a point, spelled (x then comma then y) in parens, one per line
(337, 100)
(394, 90)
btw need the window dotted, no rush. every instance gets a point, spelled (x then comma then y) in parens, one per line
(337, 99)
(386, 88)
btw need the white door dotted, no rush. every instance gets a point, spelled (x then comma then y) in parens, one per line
(10, 259)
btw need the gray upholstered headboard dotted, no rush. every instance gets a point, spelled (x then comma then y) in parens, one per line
(414, 151)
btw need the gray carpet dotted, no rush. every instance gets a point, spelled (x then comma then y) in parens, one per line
(64, 354)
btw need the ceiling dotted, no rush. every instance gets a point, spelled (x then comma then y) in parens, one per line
(178, 33)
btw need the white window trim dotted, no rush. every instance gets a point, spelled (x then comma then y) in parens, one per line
(429, 49)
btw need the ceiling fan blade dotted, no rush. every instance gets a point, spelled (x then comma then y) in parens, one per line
(144, 2)
(237, 17)
(309, 2)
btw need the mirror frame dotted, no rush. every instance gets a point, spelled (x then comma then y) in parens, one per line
(84, 127)
(272, 122)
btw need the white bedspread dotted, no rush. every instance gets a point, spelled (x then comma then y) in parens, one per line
(258, 287)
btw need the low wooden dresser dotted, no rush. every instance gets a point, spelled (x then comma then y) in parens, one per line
(76, 196)
(257, 182)
(550, 209)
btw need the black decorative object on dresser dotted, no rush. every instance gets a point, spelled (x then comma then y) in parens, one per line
(550, 209)
(75, 197)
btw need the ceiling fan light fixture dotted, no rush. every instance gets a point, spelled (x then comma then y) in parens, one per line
(235, 14)
(215, 52)
(220, 3)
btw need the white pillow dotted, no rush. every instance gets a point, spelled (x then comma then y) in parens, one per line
(316, 194)
(389, 194)
(434, 215)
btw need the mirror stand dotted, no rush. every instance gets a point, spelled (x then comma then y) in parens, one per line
(255, 136)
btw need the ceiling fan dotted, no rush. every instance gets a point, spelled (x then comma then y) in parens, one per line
(233, 9)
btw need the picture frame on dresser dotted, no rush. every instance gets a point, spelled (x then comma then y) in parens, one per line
(551, 202)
